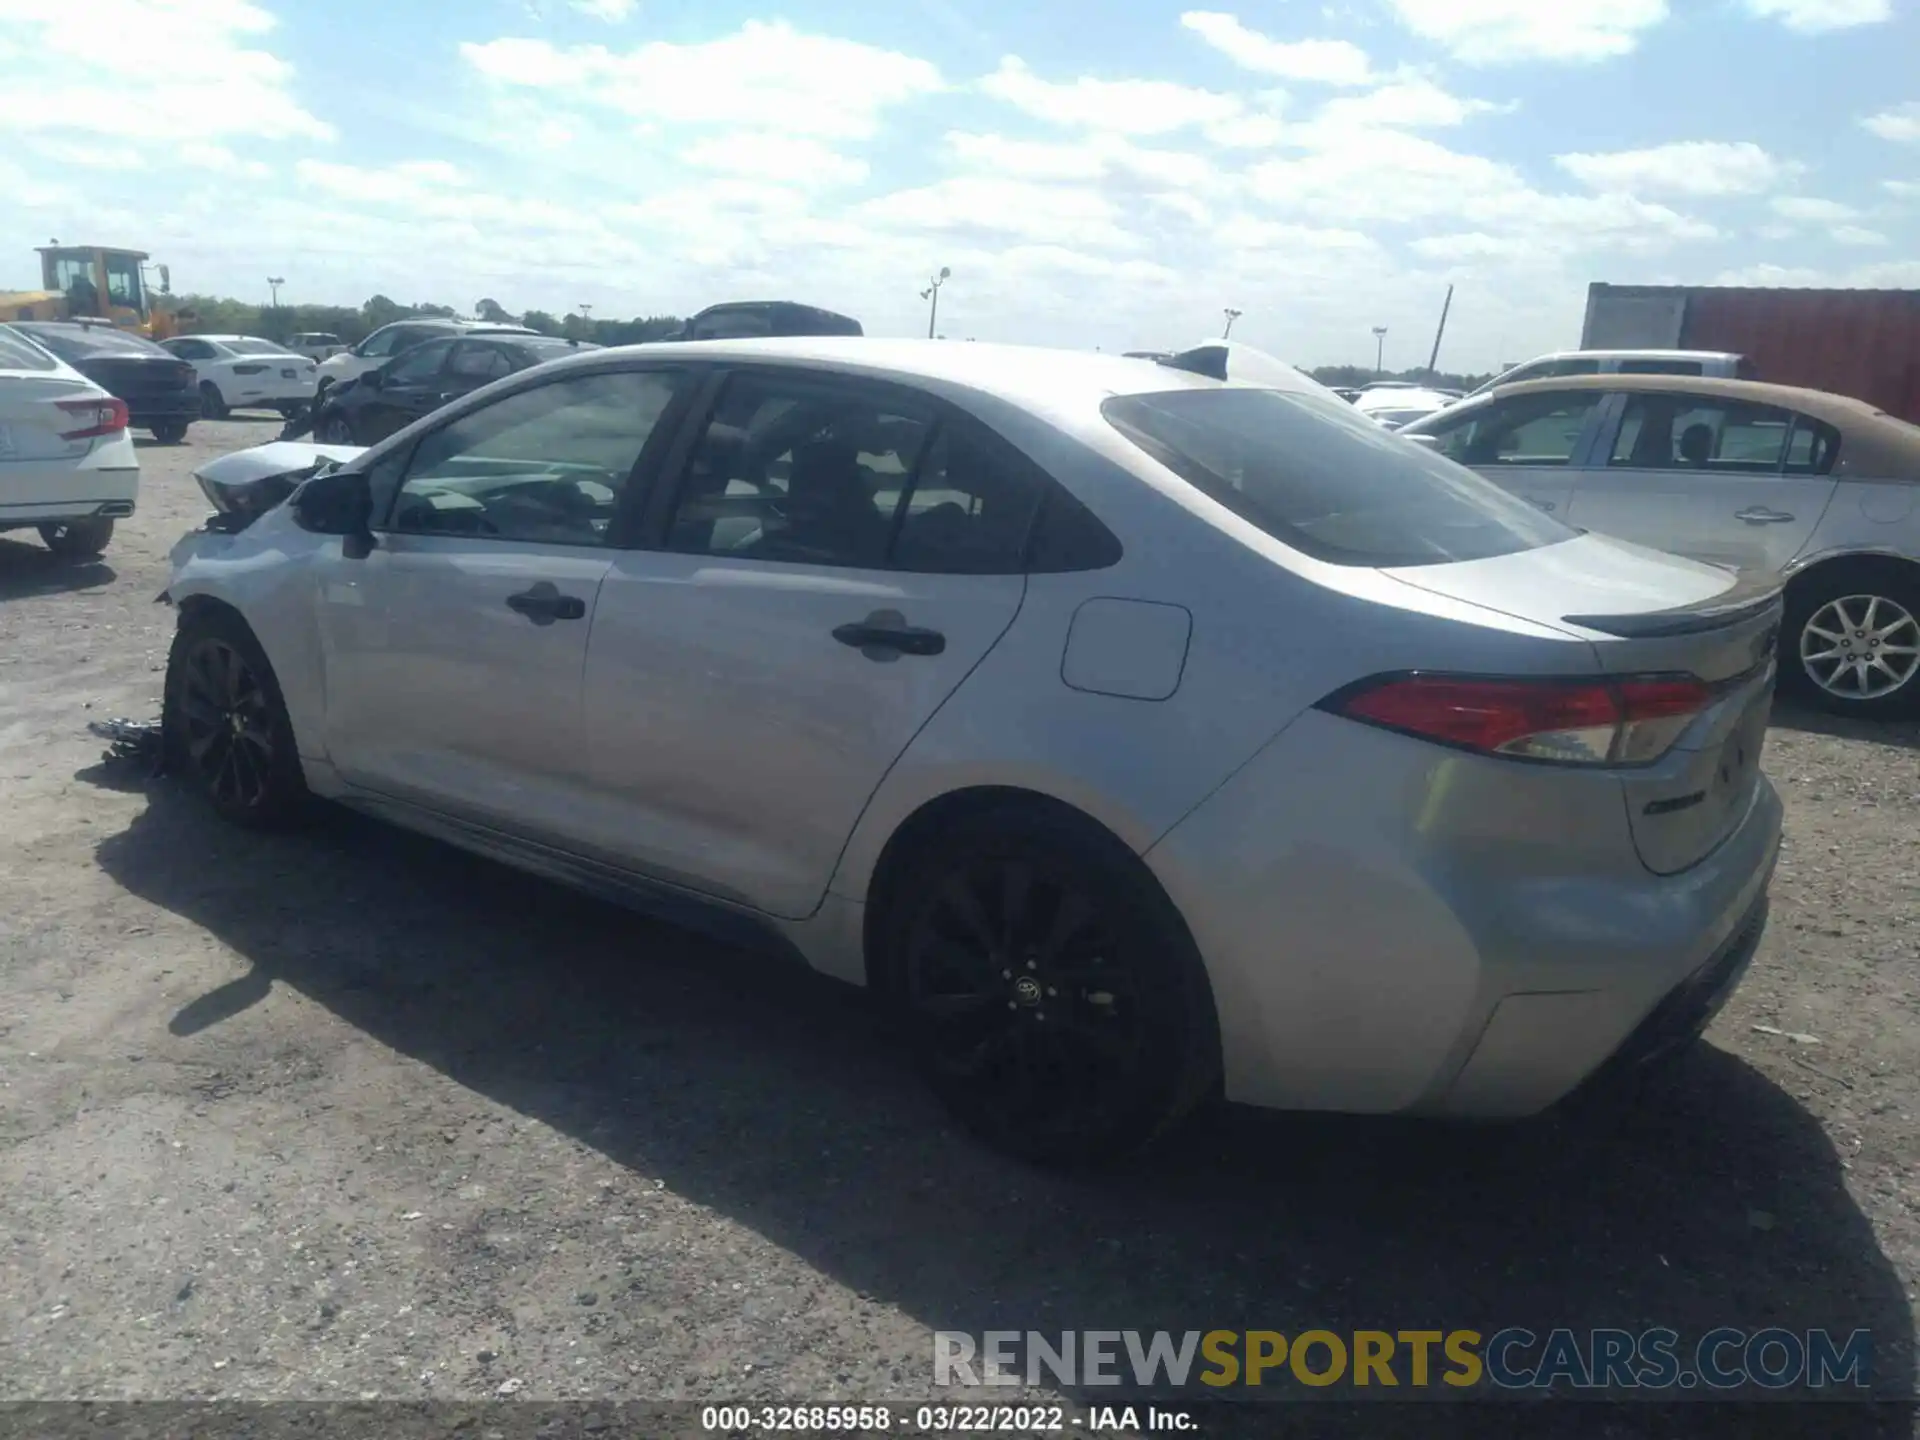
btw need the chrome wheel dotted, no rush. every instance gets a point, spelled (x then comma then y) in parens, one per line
(1860, 647)
(227, 725)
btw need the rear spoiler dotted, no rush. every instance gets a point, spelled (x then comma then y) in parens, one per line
(1749, 599)
(1207, 360)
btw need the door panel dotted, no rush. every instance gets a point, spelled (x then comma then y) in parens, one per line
(1709, 478)
(736, 738)
(442, 692)
(1527, 445)
(835, 561)
(455, 650)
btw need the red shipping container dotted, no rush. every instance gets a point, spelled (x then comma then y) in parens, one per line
(1863, 343)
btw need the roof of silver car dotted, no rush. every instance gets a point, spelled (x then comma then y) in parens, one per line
(1022, 373)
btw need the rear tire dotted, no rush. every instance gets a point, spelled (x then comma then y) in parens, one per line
(78, 539)
(335, 430)
(1850, 640)
(170, 432)
(213, 405)
(1057, 1005)
(226, 724)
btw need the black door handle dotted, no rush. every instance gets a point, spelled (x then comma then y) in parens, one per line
(544, 604)
(898, 637)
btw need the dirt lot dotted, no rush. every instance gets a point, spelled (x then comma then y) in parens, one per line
(349, 1114)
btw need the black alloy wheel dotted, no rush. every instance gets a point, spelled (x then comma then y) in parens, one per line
(228, 725)
(1055, 1010)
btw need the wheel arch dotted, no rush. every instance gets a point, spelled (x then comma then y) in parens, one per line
(924, 824)
(1804, 573)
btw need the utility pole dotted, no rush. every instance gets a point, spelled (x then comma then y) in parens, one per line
(1232, 315)
(1379, 351)
(1433, 360)
(932, 295)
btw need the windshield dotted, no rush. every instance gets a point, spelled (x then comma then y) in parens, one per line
(253, 347)
(78, 342)
(1326, 480)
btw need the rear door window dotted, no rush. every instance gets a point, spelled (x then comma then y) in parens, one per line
(1694, 432)
(1323, 479)
(1661, 367)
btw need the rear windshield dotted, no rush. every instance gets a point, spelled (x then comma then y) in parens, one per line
(254, 347)
(17, 353)
(81, 342)
(1321, 477)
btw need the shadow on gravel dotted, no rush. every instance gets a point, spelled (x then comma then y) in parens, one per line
(1900, 734)
(29, 568)
(783, 1103)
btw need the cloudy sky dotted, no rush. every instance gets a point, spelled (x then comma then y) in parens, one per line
(1094, 172)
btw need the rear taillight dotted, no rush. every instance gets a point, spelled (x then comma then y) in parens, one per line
(1574, 722)
(95, 417)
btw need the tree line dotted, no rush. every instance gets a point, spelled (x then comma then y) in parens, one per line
(218, 315)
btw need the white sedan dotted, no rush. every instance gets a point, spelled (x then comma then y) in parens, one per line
(243, 372)
(67, 464)
(1396, 405)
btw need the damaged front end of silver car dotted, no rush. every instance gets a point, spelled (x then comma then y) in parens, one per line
(247, 484)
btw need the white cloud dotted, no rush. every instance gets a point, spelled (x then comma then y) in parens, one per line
(409, 182)
(1816, 17)
(783, 159)
(1905, 189)
(1690, 167)
(1491, 32)
(765, 76)
(1886, 275)
(1127, 107)
(1325, 62)
(1412, 103)
(1806, 207)
(612, 11)
(1899, 122)
(1094, 158)
(1858, 235)
(1053, 213)
(146, 72)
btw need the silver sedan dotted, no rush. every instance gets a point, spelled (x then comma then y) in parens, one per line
(1139, 736)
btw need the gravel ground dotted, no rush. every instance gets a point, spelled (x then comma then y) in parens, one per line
(348, 1114)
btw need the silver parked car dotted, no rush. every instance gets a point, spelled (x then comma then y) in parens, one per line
(1815, 488)
(1139, 735)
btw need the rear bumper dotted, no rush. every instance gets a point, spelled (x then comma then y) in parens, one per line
(69, 494)
(142, 413)
(1392, 927)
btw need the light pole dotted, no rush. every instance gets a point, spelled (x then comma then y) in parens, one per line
(1232, 315)
(586, 311)
(1379, 350)
(932, 294)
(274, 282)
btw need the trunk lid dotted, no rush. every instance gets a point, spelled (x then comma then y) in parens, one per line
(1647, 613)
(136, 377)
(31, 420)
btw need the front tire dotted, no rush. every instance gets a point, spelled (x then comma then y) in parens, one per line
(170, 432)
(213, 405)
(226, 723)
(78, 539)
(335, 430)
(1058, 1006)
(1850, 640)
